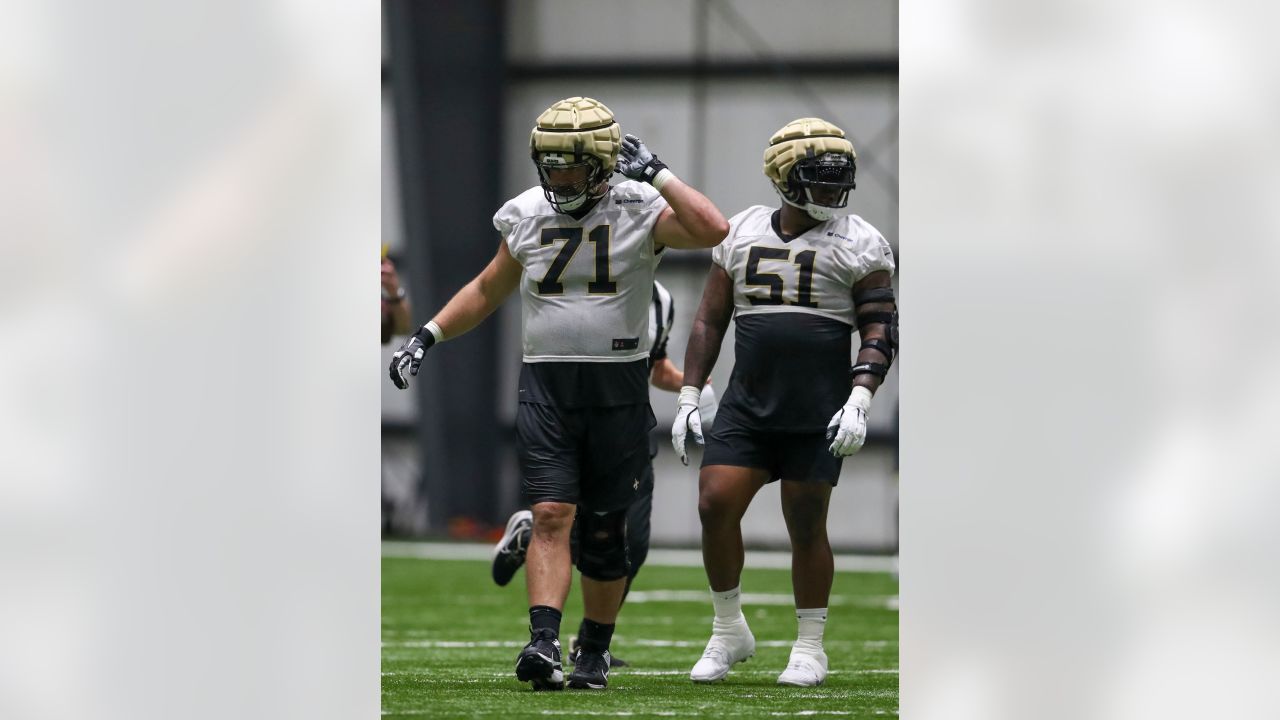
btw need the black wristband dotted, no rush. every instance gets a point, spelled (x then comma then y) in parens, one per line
(650, 171)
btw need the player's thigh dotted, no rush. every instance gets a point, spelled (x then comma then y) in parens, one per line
(615, 455)
(809, 472)
(547, 448)
(804, 507)
(737, 462)
(725, 491)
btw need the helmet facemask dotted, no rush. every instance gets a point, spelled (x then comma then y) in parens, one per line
(820, 184)
(568, 197)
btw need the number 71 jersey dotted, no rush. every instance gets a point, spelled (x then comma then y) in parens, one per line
(587, 283)
(812, 273)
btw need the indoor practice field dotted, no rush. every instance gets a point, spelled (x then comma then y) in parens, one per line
(450, 638)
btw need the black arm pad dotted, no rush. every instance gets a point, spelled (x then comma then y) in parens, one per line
(877, 369)
(874, 295)
(872, 317)
(878, 344)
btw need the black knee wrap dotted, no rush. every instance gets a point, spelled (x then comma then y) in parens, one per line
(602, 545)
(637, 537)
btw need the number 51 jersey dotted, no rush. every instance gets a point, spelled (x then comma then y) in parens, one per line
(794, 315)
(587, 283)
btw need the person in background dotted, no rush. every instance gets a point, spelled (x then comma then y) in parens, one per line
(395, 303)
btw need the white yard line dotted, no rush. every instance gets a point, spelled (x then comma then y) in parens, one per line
(627, 713)
(886, 602)
(622, 640)
(658, 556)
(624, 672)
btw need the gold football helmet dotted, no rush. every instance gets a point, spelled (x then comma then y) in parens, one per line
(576, 132)
(809, 156)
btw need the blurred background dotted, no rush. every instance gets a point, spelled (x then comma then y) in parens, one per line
(704, 83)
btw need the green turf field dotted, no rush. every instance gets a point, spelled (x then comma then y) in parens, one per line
(450, 638)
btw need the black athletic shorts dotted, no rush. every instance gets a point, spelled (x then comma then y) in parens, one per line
(786, 455)
(590, 456)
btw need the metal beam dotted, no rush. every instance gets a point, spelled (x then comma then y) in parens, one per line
(838, 68)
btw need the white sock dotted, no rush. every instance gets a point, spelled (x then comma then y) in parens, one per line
(812, 622)
(728, 605)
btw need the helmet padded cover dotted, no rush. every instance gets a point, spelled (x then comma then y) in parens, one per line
(797, 140)
(578, 124)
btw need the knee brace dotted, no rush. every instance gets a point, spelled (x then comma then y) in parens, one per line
(602, 545)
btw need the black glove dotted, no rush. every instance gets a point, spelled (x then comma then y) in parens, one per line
(410, 355)
(636, 162)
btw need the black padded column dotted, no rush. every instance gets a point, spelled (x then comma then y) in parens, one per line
(446, 73)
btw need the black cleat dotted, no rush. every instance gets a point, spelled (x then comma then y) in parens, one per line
(539, 662)
(575, 647)
(508, 555)
(591, 671)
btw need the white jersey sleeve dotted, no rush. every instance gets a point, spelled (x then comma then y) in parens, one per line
(721, 254)
(865, 251)
(587, 283)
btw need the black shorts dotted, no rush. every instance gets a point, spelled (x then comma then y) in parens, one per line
(785, 455)
(593, 456)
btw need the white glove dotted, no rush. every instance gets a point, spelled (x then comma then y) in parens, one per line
(848, 427)
(688, 419)
(708, 406)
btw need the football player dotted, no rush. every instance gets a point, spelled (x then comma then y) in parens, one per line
(396, 312)
(798, 278)
(509, 553)
(583, 253)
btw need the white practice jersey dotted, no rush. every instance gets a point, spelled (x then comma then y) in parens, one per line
(794, 318)
(813, 273)
(587, 284)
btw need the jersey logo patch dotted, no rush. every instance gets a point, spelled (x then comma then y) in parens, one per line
(628, 201)
(836, 234)
(626, 343)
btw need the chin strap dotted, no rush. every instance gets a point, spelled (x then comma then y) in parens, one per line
(817, 212)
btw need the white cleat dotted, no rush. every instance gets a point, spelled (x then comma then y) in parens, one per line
(729, 644)
(804, 670)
